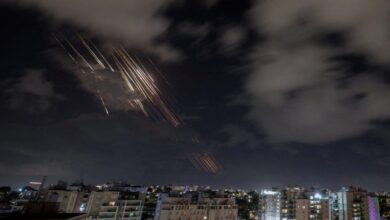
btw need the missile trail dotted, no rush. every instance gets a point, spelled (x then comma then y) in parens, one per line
(120, 81)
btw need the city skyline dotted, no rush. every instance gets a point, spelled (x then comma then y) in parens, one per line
(123, 201)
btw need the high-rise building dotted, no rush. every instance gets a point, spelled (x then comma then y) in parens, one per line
(318, 205)
(312, 206)
(247, 202)
(302, 209)
(150, 202)
(176, 208)
(289, 196)
(270, 205)
(293, 203)
(373, 208)
(384, 204)
(350, 203)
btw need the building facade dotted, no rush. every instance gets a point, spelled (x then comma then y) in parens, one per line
(348, 204)
(69, 201)
(302, 209)
(289, 196)
(174, 208)
(98, 199)
(270, 205)
(373, 208)
(121, 210)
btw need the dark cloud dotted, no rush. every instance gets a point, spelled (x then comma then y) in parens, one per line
(194, 30)
(232, 37)
(31, 92)
(34, 84)
(210, 3)
(136, 24)
(295, 85)
(366, 22)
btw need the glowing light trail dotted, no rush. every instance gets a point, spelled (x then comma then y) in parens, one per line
(119, 80)
(205, 162)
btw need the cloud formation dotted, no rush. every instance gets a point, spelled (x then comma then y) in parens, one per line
(366, 22)
(231, 38)
(295, 85)
(32, 92)
(135, 23)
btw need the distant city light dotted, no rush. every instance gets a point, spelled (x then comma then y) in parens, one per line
(83, 207)
(317, 196)
(35, 183)
(269, 192)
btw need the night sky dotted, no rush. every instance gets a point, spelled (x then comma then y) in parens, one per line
(279, 92)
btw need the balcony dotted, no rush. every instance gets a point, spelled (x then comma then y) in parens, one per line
(106, 216)
(109, 210)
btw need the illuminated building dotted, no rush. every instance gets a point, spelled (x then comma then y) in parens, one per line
(293, 203)
(175, 208)
(373, 208)
(270, 205)
(348, 204)
(289, 196)
(150, 202)
(247, 203)
(318, 206)
(115, 205)
(384, 204)
(302, 209)
(121, 210)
